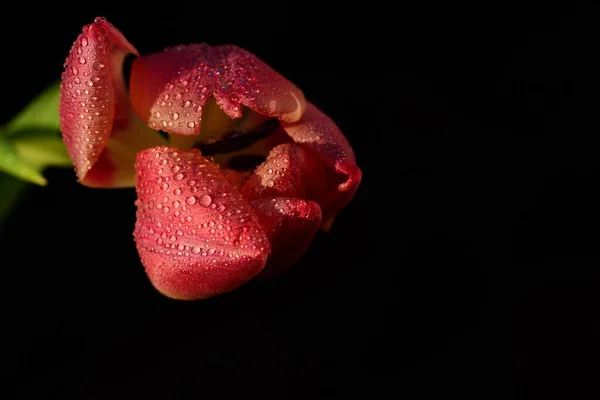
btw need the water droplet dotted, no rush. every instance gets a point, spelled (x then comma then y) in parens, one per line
(196, 250)
(84, 42)
(175, 116)
(90, 83)
(178, 96)
(173, 238)
(165, 186)
(97, 66)
(191, 124)
(177, 192)
(269, 171)
(157, 114)
(270, 183)
(186, 104)
(205, 200)
(82, 60)
(178, 177)
(75, 70)
(191, 200)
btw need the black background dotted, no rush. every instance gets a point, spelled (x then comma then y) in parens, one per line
(472, 274)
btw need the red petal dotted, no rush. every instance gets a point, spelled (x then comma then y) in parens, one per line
(332, 170)
(282, 174)
(196, 235)
(94, 99)
(169, 89)
(290, 224)
(276, 190)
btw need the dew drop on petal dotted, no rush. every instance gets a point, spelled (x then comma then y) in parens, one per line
(205, 200)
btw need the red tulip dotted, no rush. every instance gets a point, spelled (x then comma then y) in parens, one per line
(208, 219)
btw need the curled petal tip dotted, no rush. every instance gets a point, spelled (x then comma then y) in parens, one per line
(196, 235)
(170, 89)
(333, 174)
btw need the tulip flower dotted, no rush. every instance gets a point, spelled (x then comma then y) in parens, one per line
(234, 170)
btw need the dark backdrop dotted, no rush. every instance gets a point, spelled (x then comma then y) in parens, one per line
(473, 274)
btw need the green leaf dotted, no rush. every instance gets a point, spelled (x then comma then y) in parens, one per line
(41, 148)
(29, 143)
(40, 114)
(12, 163)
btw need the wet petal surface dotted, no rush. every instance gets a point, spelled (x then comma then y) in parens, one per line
(94, 100)
(196, 235)
(170, 89)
